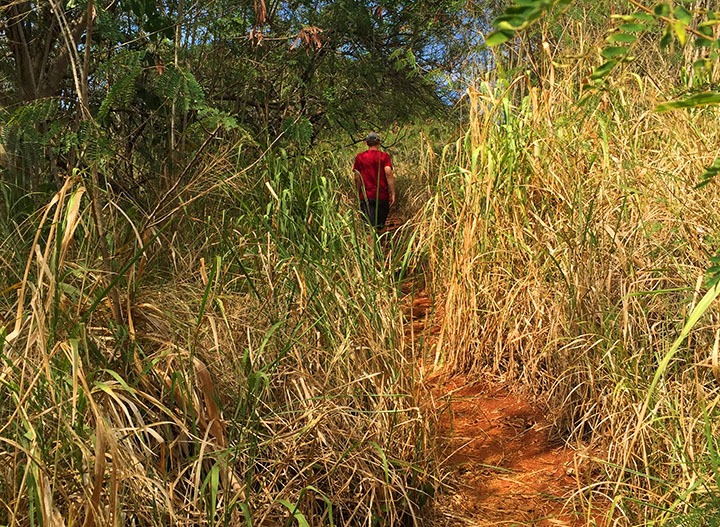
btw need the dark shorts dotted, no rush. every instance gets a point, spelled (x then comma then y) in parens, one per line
(375, 211)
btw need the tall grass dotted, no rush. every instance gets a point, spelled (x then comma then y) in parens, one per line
(258, 372)
(569, 246)
(258, 376)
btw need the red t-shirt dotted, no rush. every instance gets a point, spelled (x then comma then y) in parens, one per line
(371, 165)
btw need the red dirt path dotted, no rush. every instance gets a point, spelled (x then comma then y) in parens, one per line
(505, 469)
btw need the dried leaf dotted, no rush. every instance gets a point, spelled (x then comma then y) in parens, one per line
(310, 37)
(213, 419)
(256, 36)
(71, 222)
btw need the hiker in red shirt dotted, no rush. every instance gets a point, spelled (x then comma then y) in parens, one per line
(375, 181)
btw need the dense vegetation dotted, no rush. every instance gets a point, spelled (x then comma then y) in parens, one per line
(185, 327)
(195, 328)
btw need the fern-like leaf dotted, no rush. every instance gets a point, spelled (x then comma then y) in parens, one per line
(181, 86)
(122, 89)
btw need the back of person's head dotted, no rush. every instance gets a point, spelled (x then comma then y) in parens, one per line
(372, 139)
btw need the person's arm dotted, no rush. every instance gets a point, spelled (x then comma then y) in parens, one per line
(359, 184)
(391, 183)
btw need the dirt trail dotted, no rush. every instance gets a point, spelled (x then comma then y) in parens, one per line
(505, 470)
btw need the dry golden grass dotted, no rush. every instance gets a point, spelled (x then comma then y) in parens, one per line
(258, 378)
(260, 374)
(569, 245)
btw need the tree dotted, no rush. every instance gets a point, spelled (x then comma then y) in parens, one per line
(146, 82)
(350, 64)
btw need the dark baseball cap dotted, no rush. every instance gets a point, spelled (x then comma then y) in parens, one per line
(372, 138)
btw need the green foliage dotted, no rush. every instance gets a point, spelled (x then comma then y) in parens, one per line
(132, 74)
(519, 16)
(710, 173)
(704, 514)
(179, 85)
(31, 126)
(152, 20)
(32, 133)
(713, 273)
(282, 258)
(308, 71)
(691, 101)
(674, 22)
(350, 65)
(124, 70)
